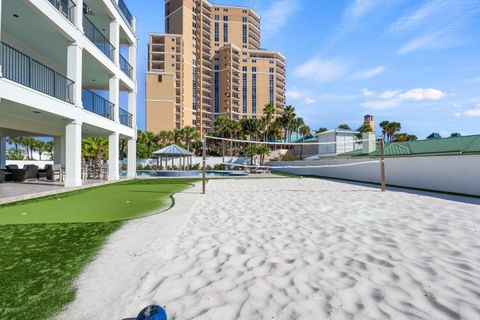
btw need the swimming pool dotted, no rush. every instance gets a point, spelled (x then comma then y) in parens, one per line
(193, 174)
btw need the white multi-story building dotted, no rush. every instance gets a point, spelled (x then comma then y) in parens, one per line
(68, 71)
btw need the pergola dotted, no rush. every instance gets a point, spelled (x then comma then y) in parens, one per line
(173, 151)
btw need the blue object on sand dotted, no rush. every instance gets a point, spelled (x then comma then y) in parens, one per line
(152, 312)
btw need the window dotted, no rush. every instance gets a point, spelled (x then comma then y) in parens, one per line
(168, 25)
(194, 84)
(254, 90)
(244, 19)
(244, 36)
(244, 69)
(217, 89)
(225, 29)
(160, 79)
(194, 122)
(254, 61)
(272, 70)
(245, 91)
(217, 28)
(271, 89)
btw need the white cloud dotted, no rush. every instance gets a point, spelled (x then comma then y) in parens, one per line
(469, 113)
(367, 74)
(360, 8)
(368, 93)
(420, 94)
(277, 16)
(294, 94)
(298, 95)
(389, 94)
(437, 24)
(321, 70)
(309, 100)
(392, 98)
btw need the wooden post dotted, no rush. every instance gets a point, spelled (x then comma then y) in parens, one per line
(204, 161)
(382, 164)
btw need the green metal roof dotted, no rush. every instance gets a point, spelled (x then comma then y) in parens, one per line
(458, 145)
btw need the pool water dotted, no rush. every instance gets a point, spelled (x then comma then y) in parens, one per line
(154, 173)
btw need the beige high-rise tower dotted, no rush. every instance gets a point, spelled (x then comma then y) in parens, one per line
(208, 64)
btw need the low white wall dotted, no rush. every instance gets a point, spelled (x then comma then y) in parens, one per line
(458, 174)
(21, 163)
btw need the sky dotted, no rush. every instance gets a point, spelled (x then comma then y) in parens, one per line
(416, 62)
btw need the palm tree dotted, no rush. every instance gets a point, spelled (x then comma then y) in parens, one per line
(221, 127)
(41, 147)
(287, 119)
(262, 151)
(344, 126)
(189, 135)
(258, 126)
(29, 144)
(297, 124)
(320, 130)
(95, 149)
(305, 132)
(393, 127)
(384, 126)
(268, 114)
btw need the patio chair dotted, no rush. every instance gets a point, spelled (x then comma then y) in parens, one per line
(46, 173)
(2, 176)
(29, 172)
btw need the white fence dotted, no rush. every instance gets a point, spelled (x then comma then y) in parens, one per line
(455, 173)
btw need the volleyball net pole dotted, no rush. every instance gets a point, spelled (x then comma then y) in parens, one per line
(382, 164)
(204, 161)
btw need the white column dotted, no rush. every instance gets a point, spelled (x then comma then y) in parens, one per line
(113, 154)
(132, 107)
(132, 158)
(115, 41)
(79, 14)
(132, 59)
(59, 150)
(114, 95)
(134, 24)
(73, 154)
(3, 149)
(74, 71)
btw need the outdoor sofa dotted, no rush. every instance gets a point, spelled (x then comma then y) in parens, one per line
(29, 172)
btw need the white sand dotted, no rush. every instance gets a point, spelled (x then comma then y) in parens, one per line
(291, 249)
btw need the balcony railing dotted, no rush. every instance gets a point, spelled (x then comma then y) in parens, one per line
(26, 71)
(97, 37)
(126, 67)
(125, 11)
(66, 8)
(97, 104)
(125, 117)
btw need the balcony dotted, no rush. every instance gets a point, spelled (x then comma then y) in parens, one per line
(26, 71)
(126, 67)
(66, 8)
(97, 104)
(125, 117)
(97, 38)
(124, 12)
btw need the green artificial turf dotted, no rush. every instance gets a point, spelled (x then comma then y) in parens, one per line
(39, 263)
(42, 252)
(113, 202)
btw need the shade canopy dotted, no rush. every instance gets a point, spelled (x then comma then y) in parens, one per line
(172, 151)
